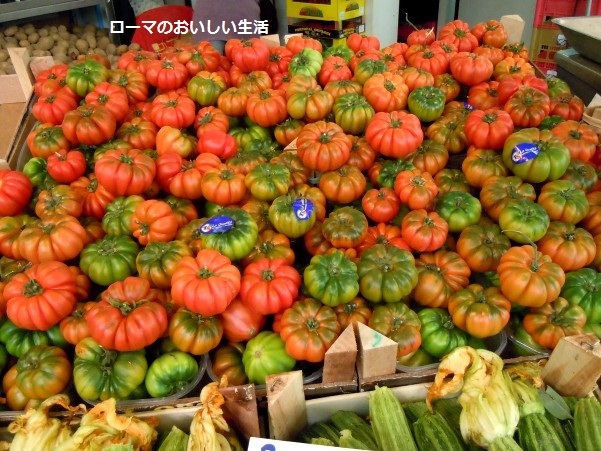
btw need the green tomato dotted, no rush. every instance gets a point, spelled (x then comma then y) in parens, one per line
(583, 288)
(418, 358)
(37, 173)
(550, 122)
(266, 181)
(307, 62)
(118, 213)
(557, 86)
(352, 112)
(332, 278)
(535, 155)
(212, 209)
(110, 259)
(524, 344)
(591, 328)
(389, 169)
(459, 209)
(83, 77)
(427, 103)
(339, 50)
(18, 341)
(439, 335)
(205, 90)
(386, 273)
(524, 221)
(237, 242)
(292, 216)
(244, 135)
(267, 148)
(100, 374)
(265, 354)
(170, 373)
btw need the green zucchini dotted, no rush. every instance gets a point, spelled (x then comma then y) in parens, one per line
(536, 433)
(587, 424)
(176, 440)
(450, 409)
(433, 433)
(506, 443)
(561, 431)
(415, 410)
(389, 422)
(322, 429)
(361, 430)
(347, 440)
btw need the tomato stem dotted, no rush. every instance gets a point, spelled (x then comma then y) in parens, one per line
(32, 288)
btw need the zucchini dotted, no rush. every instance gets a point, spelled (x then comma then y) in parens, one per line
(348, 441)
(587, 424)
(389, 422)
(506, 443)
(536, 433)
(561, 431)
(450, 409)
(322, 429)
(415, 410)
(322, 442)
(361, 430)
(433, 433)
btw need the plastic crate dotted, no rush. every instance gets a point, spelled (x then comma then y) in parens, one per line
(546, 42)
(550, 9)
(325, 9)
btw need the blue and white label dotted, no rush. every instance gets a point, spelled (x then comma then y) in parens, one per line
(217, 224)
(524, 152)
(468, 106)
(264, 444)
(303, 209)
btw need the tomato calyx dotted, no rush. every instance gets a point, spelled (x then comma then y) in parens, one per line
(418, 180)
(312, 324)
(205, 273)
(32, 288)
(575, 134)
(267, 274)
(489, 118)
(170, 103)
(103, 98)
(124, 306)
(324, 137)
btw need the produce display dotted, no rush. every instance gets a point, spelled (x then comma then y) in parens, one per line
(498, 408)
(251, 206)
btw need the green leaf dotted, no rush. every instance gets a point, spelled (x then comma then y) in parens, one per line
(555, 404)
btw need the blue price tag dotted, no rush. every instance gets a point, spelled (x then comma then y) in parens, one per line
(217, 224)
(524, 152)
(467, 106)
(303, 209)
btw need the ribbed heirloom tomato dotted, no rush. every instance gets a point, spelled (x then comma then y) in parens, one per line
(206, 284)
(323, 146)
(395, 134)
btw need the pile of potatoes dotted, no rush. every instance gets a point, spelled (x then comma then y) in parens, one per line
(57, 41)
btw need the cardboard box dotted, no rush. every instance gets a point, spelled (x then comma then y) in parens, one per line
(325, 9)
(17, 122)
(325, 29)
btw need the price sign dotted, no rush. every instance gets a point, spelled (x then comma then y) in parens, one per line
(264, 444)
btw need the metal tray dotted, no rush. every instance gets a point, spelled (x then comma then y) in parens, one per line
(583, 34)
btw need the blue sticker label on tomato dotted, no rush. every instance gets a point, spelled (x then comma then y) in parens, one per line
(303, 209)
(524, 152)
(468, 106)
(217, 224)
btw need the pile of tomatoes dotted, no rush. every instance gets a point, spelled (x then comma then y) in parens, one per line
(255, 204)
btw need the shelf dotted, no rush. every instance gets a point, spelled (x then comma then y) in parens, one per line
(32, 8)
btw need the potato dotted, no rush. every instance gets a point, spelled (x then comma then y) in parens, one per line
(101, 32)
(99, 51)
(11, 31)
(89, 28)
(135, 46)
(121, 49)
(52, 29)
(91, 40)
(55, 36)
(43, 32)
(103, 42)
(12, 44)
(73, 52)
(9, 69)
(82, 45)
(23, 43)
(110, 49)
(19, 35)
(3, 55)
(33, 38)
(28, 29)
(64, 34)
(61, 28)
(45, 43)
